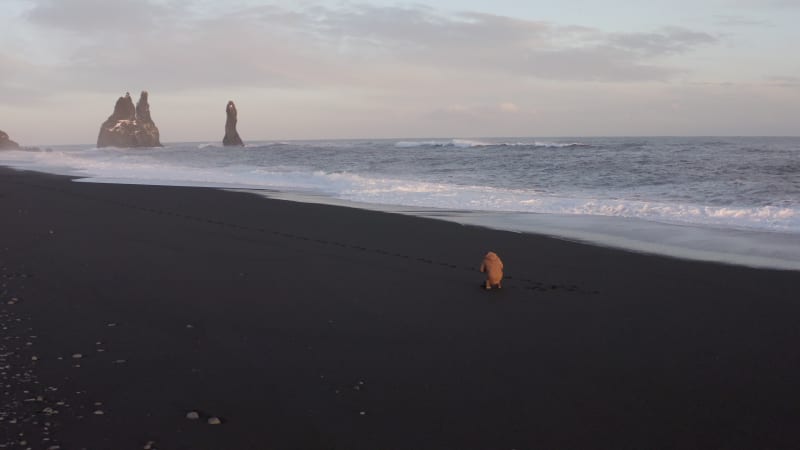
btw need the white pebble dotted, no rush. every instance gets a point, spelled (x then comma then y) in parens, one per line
(77, 356)
(193, 415)
(214, 421)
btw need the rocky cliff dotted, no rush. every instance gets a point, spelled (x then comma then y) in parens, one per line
(129, 126)
(6, 143)
(231, 135)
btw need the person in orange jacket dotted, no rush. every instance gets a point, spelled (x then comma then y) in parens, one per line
(493, 267)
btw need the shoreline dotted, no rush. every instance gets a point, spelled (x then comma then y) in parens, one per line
(289, 320)
(600, 231)
(766, 238)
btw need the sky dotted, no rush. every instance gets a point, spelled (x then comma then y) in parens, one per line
(317, 69)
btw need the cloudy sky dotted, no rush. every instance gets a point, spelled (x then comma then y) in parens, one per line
(308, 69)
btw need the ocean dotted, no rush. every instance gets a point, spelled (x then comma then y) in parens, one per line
(726, 199)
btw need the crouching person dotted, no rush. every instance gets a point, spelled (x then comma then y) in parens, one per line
(493, 267)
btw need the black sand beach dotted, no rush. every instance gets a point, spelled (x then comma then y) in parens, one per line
(315, 327)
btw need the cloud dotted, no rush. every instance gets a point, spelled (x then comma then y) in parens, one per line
(91, 16)
(509, 107)
(740, 21)
(21, 82)
(667, 41)
(171, 46)
(761, 4)
(783, 81)
(773, 81)
(478, 110)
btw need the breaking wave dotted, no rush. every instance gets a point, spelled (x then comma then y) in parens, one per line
(465, 143)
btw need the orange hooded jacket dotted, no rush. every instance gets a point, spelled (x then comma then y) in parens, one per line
(493, 267)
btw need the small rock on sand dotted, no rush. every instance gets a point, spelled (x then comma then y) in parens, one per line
(192, 415)
(214, 421)
(77, 356)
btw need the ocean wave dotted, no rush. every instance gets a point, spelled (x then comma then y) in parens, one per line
(185, 165)
(466, 143)
(483, 198)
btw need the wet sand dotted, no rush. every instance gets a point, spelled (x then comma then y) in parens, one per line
(300, 326)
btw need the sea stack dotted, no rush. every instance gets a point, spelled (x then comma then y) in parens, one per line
(129, 126)
(6, 143)
(231, 135)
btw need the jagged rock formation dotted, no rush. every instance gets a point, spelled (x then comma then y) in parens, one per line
(231, 135)
(6, 143)
(129, 126)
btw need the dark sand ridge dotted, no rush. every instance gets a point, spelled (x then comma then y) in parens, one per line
(289, 320)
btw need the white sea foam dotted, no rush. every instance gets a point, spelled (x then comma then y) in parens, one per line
(466, 143)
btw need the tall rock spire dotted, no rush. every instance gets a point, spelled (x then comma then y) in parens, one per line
(143, 108)
(231, 135)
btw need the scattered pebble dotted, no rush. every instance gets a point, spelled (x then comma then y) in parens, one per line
(77, 356)
(193, 415)
(363, 413)
(214, 421)
(112, 324)
(99, 412)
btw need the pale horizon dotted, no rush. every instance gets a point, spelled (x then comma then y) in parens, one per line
(379, 70)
